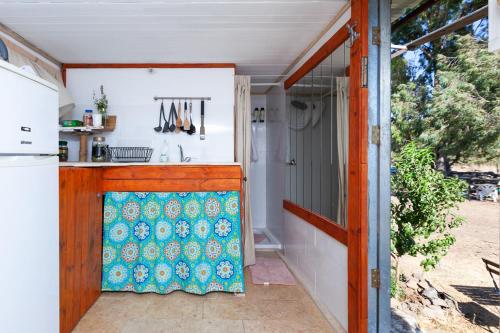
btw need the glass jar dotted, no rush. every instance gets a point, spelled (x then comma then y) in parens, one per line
(99, 149)
(63, 151)
(87, 118)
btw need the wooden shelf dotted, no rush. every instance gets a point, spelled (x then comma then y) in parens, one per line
(84, 130)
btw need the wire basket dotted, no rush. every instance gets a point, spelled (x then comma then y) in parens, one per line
(130, 154)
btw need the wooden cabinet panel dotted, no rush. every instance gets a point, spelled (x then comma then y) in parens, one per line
(175, 172)
(172, 178)
(80, 243)
(171, 185)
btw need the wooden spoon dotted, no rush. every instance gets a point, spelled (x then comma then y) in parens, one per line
(178, 123)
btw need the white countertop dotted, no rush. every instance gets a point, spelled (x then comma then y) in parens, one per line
(112, 164)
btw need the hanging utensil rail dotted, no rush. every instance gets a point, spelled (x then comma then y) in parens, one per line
(183, 98)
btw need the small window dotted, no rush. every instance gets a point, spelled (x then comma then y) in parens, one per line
(317, 110)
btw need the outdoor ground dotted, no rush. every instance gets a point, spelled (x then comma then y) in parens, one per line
(462, 273)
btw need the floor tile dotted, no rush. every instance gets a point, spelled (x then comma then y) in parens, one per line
(183, 326)
(283, 326)
(126, 307)
(263, 309)
(176, 307)
(276, 292)
(146, 325)
(93, 323)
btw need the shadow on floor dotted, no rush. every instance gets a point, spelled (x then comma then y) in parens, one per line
(475, 311)
(480, 295)
(479, 315)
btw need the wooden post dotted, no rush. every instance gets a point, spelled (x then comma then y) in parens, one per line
(357, 226)
(83, 148)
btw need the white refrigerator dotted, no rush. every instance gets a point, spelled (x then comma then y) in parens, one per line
(29, 203)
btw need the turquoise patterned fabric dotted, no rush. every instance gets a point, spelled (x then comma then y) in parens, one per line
(161, 242)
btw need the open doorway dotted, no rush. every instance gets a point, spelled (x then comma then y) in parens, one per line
(447, 280)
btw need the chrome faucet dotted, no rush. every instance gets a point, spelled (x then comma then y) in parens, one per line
(183, 159)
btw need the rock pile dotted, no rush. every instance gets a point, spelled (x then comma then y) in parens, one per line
(420, 297)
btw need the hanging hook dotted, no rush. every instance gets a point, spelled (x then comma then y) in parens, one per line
(353, 34)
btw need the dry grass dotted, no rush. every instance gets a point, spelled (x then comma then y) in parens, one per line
(462, 273)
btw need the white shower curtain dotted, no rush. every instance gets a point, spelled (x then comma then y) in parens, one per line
(243, 123)
(342, 145)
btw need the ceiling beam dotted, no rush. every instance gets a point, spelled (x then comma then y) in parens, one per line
(412, 14)
(150, 65)
(447, 29)
(321, 54)
(20, 39)
(313, 42)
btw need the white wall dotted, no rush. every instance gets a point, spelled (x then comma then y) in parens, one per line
(317, 259)
(276, 160)
(258, 168)
(130, 93)
(320, 262)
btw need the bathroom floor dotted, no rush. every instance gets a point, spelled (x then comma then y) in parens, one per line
(264, 242)
(273, 308)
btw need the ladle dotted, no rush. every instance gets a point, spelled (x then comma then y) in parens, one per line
(166, 127)
(162, 113)
(174, 117)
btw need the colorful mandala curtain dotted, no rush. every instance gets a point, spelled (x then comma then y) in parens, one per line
(161, 242)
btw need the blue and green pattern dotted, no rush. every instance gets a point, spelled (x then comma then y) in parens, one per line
(160, 242)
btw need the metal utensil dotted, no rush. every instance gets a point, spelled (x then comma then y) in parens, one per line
(202, 127)
(174, 118)
(192, 128)
(166, 127)
(162, 113)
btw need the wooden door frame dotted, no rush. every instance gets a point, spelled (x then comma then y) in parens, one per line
(357, 213)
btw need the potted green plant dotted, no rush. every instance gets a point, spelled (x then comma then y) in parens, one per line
(101, 104)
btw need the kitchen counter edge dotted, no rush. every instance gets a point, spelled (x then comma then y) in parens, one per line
(111, 164)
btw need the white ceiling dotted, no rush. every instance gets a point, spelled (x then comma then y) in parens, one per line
(262, 37)
(398, 7)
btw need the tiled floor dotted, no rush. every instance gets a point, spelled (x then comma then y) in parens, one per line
(263, 309)
(263, 242)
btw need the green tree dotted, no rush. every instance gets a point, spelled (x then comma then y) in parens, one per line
(423, 213)
(408, 115)
(464, 111)
(399, 72)
(460, 119)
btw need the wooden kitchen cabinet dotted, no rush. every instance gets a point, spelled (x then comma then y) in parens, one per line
(80, 242)
(81, 191)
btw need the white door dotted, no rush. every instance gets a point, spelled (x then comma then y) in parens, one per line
(29, 245)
